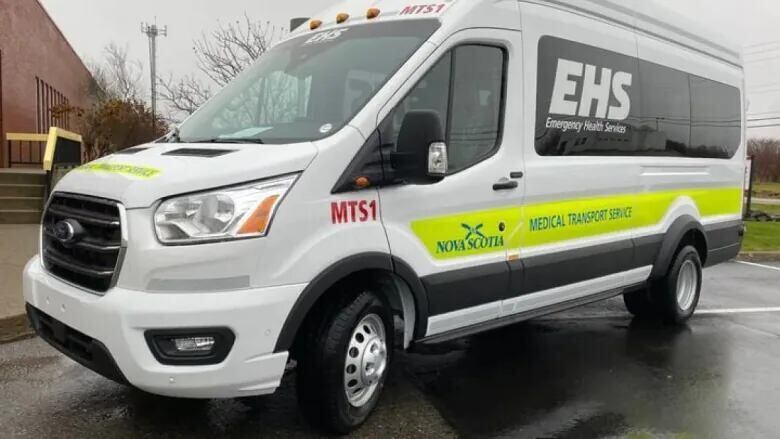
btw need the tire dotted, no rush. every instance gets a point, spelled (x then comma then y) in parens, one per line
(640, 304)
(660, 299)
(346, 338)
(677, 294)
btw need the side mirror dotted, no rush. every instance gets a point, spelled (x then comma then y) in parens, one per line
(421, 154)
(438, 160)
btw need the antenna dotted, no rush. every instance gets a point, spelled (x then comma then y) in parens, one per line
(153, 31)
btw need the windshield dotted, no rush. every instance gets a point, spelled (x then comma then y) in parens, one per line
(309, 87)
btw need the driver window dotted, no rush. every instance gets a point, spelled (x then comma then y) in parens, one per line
(466, 89)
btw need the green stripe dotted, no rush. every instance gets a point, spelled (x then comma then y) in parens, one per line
(134, 171)
(477, 233)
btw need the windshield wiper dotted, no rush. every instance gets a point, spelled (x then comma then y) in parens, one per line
(227, 140)
(171, 137)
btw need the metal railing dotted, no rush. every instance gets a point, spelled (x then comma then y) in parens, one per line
(26, 149)
(56, 153)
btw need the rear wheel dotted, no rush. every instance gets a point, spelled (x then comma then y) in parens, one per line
(639, 303)
(678, 293)
(344, 363)
(673, 298)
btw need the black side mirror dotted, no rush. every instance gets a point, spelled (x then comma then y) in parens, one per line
(421, 153)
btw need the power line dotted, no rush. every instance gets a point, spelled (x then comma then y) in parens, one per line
(763, 119)
(763, 88)
(766, 43)
(152, 31)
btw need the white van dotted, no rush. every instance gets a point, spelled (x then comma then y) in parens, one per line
(427, 170)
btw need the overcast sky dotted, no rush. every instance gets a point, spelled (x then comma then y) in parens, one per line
(91, 24)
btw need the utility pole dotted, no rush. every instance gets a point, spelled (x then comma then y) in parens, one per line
(152, 31)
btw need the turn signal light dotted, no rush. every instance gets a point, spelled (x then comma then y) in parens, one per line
(258, 222)
(362, 182)
(342, 17)
(315, 24)
(373, 13)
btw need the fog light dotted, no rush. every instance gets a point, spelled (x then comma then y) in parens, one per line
(194, 344)
(191, 347)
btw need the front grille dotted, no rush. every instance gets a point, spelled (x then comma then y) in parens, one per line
(91, 260)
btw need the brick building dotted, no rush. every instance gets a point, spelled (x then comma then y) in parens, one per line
(38, 71)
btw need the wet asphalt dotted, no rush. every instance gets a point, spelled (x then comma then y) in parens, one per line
(587, 373)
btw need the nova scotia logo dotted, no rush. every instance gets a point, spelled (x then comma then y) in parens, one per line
(475, 241)
(473, 231)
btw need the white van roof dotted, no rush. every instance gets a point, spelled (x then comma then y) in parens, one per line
(655, 18)
(648, 16)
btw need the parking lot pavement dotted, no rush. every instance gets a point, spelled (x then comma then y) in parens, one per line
(590, 372)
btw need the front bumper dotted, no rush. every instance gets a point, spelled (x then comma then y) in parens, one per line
(116, 323)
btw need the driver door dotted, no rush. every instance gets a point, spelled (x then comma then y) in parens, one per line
(456, 233)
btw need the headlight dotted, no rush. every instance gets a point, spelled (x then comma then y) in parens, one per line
(237, 212)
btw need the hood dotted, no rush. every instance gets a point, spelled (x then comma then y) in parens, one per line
(139, 176)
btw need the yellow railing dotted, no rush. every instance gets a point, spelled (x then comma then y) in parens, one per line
(57, 137)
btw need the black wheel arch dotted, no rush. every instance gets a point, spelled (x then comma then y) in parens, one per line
(341, 270)
(684, 228)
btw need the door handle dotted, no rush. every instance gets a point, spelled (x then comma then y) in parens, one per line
(516, 175)
(505, 184)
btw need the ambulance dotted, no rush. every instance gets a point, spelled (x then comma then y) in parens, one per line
(394, 175)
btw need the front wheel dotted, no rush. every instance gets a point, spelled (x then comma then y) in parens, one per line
(344, 363)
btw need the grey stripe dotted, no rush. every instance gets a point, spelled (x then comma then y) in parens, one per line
(223, 284)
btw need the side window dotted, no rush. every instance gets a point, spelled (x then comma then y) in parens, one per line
(716, 119)
(642, 108)
(466, 89)
(473, 129)
(431, 93)
(666, 111)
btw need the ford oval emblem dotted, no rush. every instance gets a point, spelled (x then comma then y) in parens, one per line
(67, 231)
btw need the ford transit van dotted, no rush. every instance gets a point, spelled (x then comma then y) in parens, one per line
(397, 174)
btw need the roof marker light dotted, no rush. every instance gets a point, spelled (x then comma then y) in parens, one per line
(342, 17)
(315, 24)
(373, 13)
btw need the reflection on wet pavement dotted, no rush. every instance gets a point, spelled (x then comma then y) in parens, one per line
(599, 379)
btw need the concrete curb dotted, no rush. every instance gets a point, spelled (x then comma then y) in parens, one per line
(759, 256)
(15, 328)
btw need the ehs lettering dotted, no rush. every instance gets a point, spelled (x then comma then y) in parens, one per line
(423, 9)
(353, 211)
(598, 87)
(327, 36)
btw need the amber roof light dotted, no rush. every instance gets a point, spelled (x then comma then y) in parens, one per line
(373, 13)
(342, 17)
(315, 24)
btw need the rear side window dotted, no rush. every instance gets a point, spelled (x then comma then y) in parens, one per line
(592, 101)
(665, 110)
(716, 119)
(466, 89)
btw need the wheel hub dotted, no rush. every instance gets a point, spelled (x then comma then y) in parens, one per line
(366, 360)
(687, 283)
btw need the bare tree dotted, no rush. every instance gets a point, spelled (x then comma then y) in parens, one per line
(184, 95)
(766, 159)
(221, 55)
(228, 50)
(117, 77)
